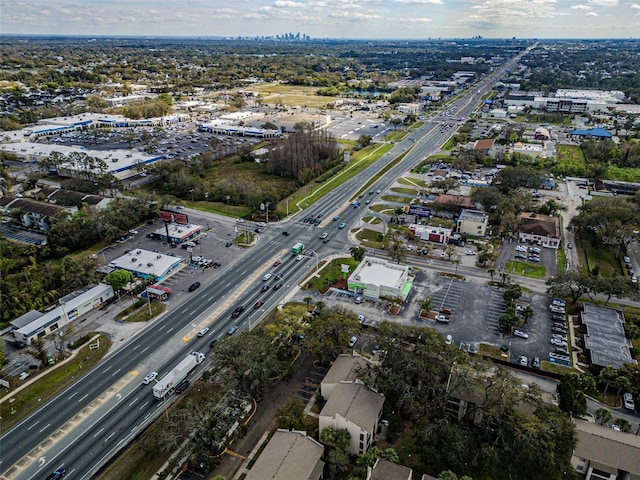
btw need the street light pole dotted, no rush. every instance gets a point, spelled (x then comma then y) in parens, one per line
(227, 198)
(287, 207)
(192, 198)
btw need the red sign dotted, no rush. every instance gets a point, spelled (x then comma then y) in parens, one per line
(168, 216)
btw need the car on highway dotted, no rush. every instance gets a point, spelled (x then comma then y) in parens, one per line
(150, 378)
(336, 218)
(520, 333)
(238, 311)
(342, 225)
(569, 245)
(299, 257)
(265, 287)
(267, 277)
(326, 240)
(285, 233)
(277, 285)
(182, 386)
(58, 474)
(258, 304)
(194, 286)
(320, 215)
(240, 220)
(261, 224)
(324, 235)
(203, 331)
(233, 329)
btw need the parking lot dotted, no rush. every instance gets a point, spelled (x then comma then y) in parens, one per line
(475, 310)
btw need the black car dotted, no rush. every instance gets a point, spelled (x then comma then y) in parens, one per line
(215, 265)
(228, 243)
(285, 233)
(193, 286)
(277, 285)
(265, 288)
(238, 311)
(58, 474)
(213, 342)
(182, 386)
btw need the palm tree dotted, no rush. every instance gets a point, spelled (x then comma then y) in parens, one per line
(604, 415)
(426, 303)
(527, 313)
(307, 300)
(320, 305)
(492, 272)
(608, 374)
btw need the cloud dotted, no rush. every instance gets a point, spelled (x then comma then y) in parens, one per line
(287, 4)
(420, 2)
(592, 14)
(635, 5)
(580, 7)
(604, 3)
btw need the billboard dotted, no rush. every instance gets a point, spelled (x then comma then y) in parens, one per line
(168, 216)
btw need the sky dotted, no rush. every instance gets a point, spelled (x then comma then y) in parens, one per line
(358, 19)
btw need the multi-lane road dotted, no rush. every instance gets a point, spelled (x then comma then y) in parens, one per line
(100, 413)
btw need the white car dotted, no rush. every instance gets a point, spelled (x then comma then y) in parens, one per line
(626, 259)
(150, 378)
(203, 331)
(558, 343)
(299, 257)
(556, 308)
(361, 318)
(521, 248)
(133, 232)
(524, 361)
(448, 340)
(240, 220)
(559, 336)
(627, 399)
(520, 333)
(261, 224)
(469, 252)
(267, 277)
(352, 341)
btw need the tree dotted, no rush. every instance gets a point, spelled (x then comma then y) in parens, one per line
(337, 462)
(572, 283)
(119, 279)
(395, 121)
(571, 397)
(603, 415)
(623, 423)
(38, 351)
(308, 301)
(336, 438)
(426, 303)
(512, 293)
(364, 140)
(527, 313)
(608, 374)
(358, 253)
(291, 414)
(445, 185)
(622, 383)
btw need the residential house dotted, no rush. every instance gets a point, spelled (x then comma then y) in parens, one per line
(385, 470)
(33, 214)
(485, 146)
(343, 369)
(355, 408)
(541, 229)
(605, 454)
(289, 455)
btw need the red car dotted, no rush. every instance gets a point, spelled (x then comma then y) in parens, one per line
(258, 304)
(277, 263)
(446, 311)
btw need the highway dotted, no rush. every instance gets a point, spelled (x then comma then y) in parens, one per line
(101, 412)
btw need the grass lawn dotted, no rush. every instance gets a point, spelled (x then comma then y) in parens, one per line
(449, 144)
(372, 220)
(409, 191)
(526, 269)
(330, 272)
(623, 174)
(142, 314)
(396, 198)
(414, 182)
(292, 95)
(382, 208)
(50, 383)
(603, 258)
(570, 160)
(396, 135)
(370, 238)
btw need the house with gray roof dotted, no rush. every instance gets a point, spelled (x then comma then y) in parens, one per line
(385, 470)
(289, 455)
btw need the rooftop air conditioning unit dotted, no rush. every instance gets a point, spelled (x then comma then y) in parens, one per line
(134, 259)
(158, 256)
(149, 264)
(138, 252)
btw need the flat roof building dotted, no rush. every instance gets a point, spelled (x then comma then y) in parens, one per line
(605, 340)
(178, 233)
(147, 264)
(376, 278)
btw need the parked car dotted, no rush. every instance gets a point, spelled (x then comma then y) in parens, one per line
(559, 301)
(531, 258)
(352, 341)
(536, 362)
(360, 318)
(629, 404)
(556, 309)
(524, 361)
(520, 256)
(150, 378)
(521, 248)
(562, 350)
(559, 318)
(470, 252)
(520, 333)
(558, 343)
(193, 286)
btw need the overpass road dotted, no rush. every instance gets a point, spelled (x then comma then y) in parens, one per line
(101, 412)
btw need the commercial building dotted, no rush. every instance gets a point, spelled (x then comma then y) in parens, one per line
(146, 264)
(36, 325)
(472, 223)
(377, 278)
(177, 233)
(605, 340)
(430, 233)
(543, 230)
(289, 455)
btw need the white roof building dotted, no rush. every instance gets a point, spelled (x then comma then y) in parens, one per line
(376, 278)
(147, 264)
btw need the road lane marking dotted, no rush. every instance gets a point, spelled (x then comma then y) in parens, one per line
(110, 435)
(144, 405)
(86, 395)
(98, 432)
(74, 394)
(45, 427)
(33, 425)
(116, 372)
(133, 401)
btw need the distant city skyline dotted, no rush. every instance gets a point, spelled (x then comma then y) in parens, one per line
(365, 19)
